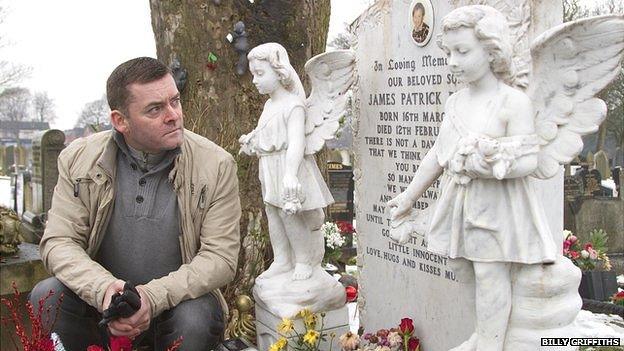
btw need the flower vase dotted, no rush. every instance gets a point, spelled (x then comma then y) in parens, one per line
(598, 285)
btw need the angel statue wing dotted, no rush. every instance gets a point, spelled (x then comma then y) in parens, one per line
(331, 75)
(571, 64)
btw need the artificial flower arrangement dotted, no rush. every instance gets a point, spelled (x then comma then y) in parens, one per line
(39, 320)
(590, 254)
(307, 340)
(394, 339)
(334, 241)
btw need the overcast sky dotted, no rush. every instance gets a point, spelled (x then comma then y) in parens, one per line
(72, 46)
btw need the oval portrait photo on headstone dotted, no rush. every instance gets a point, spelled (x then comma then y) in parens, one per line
(421, 21)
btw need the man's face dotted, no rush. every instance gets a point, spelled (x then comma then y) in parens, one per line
(154, 120)
(417, 18)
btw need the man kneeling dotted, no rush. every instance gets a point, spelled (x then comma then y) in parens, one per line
(148, 202)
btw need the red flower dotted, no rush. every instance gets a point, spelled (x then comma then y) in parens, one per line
(566, 245)
(619, 296)
(95, 348)
(120, 343)
(345, 227)
(413, 344)
(407, 326)
(574, 255)
(352, 293)
(588, 246)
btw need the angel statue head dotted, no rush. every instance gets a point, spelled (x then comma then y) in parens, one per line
(269, 64)
(487, 26)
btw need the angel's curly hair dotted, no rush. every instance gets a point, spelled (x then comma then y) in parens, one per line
(491, 28)
(277, 57)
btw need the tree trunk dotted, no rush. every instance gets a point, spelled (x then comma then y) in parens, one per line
(218, 103)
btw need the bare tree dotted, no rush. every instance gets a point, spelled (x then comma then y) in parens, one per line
(342, 41)
(44, 107)
(94, 114)
(219, 103)
(613, 95)
(10, 73)
(15, 104)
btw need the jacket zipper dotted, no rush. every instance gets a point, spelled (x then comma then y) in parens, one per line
(77, 185)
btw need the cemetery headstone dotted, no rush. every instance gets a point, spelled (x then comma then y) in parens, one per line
(572, 187)
(601, 159)
(399, 105)
(47, 145)
(618, 157)
(340, 182)
(591, 182)
(590, 159)
(9, 159)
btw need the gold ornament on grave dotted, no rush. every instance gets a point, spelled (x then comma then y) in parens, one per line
(9, 232)
(242, 323)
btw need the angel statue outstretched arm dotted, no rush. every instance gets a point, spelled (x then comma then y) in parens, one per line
(494, 137)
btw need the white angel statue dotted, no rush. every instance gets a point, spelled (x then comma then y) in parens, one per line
(495, 136)
(290, 131)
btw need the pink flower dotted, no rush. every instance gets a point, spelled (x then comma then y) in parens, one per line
(382, 333)
(593, 254)
(573, 239)
(574, 254)
(95, 348)
(566, 245)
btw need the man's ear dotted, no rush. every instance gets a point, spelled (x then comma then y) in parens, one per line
(118, 120)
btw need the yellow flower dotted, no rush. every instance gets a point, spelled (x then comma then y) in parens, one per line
(309, 318)
(311, 337)
(280, 344)
(285, 326)
(304, 312)
(310, 321)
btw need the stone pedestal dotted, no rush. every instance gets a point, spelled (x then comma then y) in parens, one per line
(545, 304)
(25, 269)
(336, 321)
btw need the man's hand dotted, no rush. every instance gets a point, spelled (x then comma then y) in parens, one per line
(115, 287)
(135, 324)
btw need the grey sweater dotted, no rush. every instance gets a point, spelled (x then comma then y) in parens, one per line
(141, 242)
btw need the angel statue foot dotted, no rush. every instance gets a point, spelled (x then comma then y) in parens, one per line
(276, 268)
(468, 345)
(302, 271)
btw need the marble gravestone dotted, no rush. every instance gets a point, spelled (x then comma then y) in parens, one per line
(403, 83)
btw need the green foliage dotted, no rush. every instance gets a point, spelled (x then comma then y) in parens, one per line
(599, 238)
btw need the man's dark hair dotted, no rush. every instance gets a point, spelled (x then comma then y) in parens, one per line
(139, 70)
(418, 7)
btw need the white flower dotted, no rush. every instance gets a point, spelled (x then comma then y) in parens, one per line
(566, 233)
(395, 339)
(584, 254)
(332, 235)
